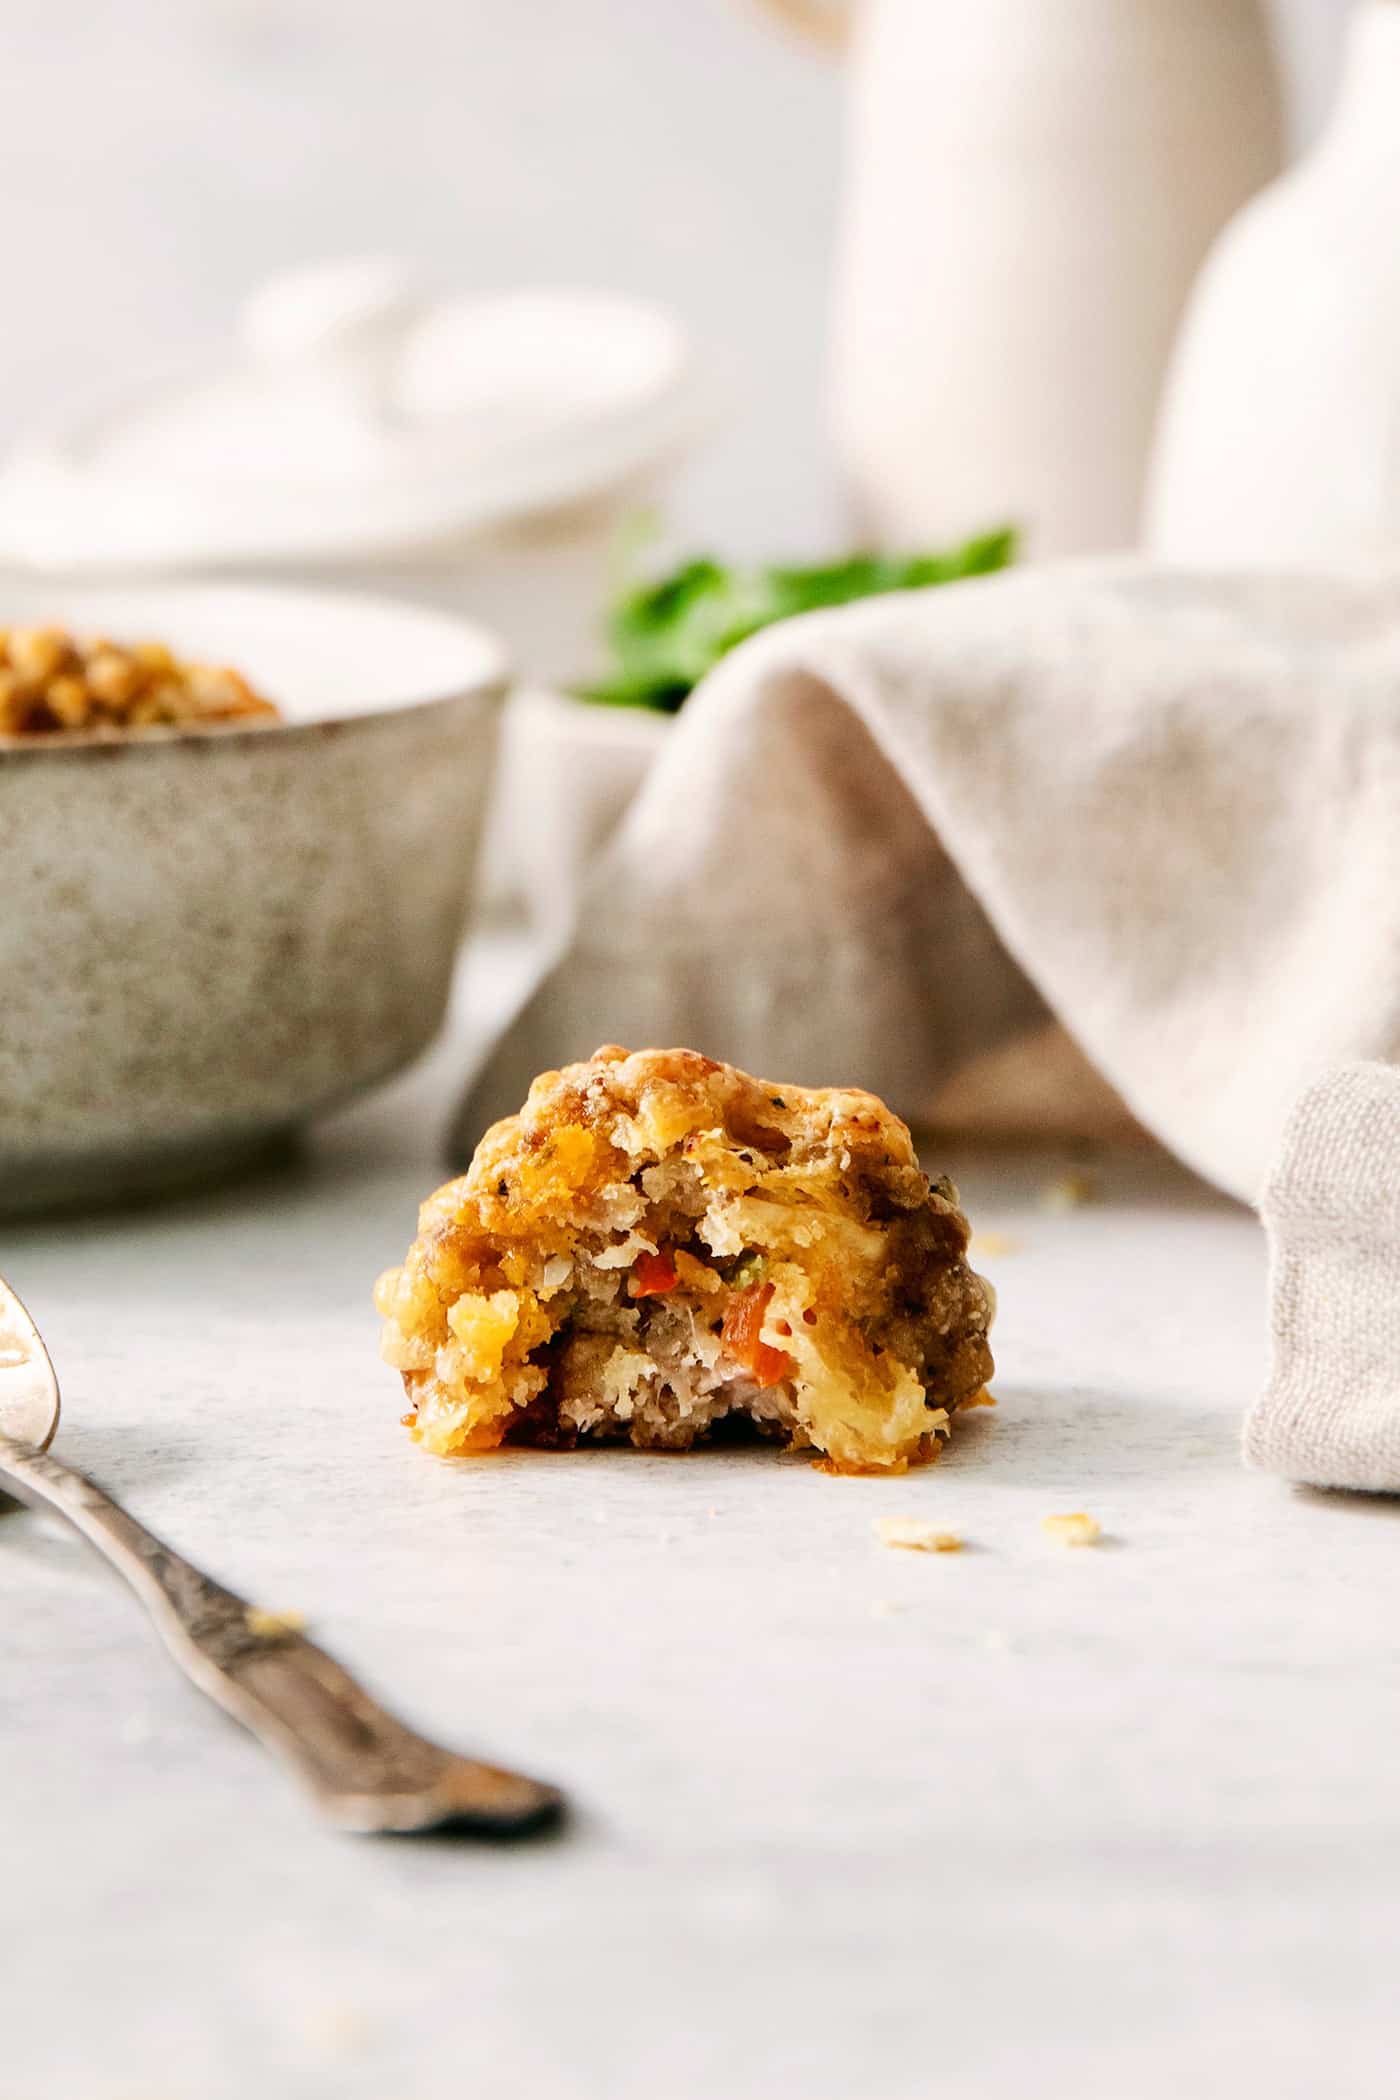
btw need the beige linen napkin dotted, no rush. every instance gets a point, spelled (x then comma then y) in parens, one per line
(1331, 1414)
(887, 844)
(897, 845)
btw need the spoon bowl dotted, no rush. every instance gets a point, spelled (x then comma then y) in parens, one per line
(29, 1402)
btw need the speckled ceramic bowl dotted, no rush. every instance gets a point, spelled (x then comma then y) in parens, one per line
(207, 938)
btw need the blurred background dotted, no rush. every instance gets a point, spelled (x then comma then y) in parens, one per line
(161, 157)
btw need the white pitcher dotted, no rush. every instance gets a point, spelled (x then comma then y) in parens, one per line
(1280, 437)
(1032, 186)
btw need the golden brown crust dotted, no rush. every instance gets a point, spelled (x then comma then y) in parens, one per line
(658, 1240)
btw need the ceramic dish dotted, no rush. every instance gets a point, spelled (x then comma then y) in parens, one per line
(209, 937)
(569, 772)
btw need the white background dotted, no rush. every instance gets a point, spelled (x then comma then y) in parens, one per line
(158, 156)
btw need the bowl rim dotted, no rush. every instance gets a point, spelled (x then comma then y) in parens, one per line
(492, 681)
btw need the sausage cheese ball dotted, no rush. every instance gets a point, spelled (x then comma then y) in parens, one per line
(658, 1242)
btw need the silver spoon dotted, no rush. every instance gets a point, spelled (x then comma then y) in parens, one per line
(366, 1770)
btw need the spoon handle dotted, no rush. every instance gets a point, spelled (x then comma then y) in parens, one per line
(366, 1770)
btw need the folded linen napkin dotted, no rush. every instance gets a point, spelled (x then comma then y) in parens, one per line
(895, 844)
(1331, 1413)
(886, 843)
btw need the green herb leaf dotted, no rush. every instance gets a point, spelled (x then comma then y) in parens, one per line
(664, 636)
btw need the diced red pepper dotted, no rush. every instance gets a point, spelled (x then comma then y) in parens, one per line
(742, 1335)
(653, 1275)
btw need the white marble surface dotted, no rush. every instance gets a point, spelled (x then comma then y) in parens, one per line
(851, 1824)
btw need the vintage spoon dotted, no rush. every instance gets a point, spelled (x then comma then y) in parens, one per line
(366, 1770)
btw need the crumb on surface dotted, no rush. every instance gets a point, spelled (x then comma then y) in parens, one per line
(992, 1246)
(1076, 1528)
(338, 2029)
(913, 1535)
(271, 1625)
(1070, 1190)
